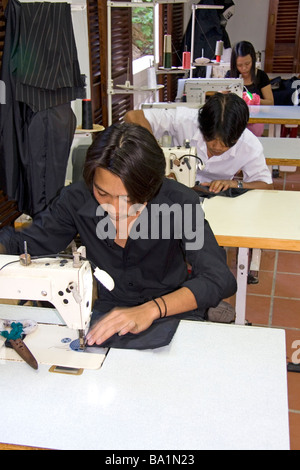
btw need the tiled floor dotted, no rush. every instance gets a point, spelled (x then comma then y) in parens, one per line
(275, 302)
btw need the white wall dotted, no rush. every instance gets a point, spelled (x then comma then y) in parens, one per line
(249, 23)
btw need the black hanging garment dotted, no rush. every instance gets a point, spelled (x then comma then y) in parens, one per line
(41, 71)
(209, 28)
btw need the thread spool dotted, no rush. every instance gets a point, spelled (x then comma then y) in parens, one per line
(219, 50)
(166, 140)
(151, 78)
(167, 51)
(87, 119)
(186, 60)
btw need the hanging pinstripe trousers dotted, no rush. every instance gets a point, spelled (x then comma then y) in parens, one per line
(41, 72)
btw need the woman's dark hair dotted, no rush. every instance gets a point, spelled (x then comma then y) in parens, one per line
(224, 117)
(241, 49)
(132, 153)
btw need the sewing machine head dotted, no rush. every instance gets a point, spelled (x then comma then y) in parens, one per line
(182, 164)
(196, 89)
(65, 283)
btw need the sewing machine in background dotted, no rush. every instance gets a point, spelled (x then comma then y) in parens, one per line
(65, 283)
(196, 89)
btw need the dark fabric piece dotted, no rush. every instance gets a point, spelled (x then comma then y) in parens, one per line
(11, 112)
(48, 71)
(209, 28)
(159, 334)
(50, 135)
(156, 336)
(34, 146)
(204, 192)
(285, 92)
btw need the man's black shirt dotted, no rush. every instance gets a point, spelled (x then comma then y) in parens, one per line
(146, 267)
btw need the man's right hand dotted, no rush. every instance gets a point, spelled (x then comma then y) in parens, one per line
(138, 117)
(2, 249)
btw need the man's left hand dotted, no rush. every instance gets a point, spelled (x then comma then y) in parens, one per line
(220, 185)
(122, 320)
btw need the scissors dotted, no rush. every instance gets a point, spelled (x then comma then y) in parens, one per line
(14, 338)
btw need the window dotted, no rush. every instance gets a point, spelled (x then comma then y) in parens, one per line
(142, 31)
(171, 22)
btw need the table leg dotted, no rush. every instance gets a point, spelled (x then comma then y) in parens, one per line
(255, 260)
(242, 274)
(274, 130)
(271, 132)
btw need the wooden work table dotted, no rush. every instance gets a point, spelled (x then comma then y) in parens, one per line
(266, 219)
(261, 219)
(287, 115)
(275, 117)
(280, 151)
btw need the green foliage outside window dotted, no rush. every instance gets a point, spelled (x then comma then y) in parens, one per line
(142, 31)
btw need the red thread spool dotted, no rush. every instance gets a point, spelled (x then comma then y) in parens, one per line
(186, 60)
(219, 50)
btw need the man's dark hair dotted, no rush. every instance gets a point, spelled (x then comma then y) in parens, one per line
(132, 153)
(224, 117)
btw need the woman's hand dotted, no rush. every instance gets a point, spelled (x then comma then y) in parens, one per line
(123, 320)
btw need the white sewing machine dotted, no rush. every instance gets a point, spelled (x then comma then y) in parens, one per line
(196, 89)
(65, 283)
(182, 164)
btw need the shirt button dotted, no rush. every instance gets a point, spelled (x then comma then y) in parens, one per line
(130, 284)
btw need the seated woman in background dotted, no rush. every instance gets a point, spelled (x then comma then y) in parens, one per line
(257, 84)
(242, 64)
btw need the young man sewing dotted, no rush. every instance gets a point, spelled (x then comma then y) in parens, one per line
(112, 211)
(218, 131)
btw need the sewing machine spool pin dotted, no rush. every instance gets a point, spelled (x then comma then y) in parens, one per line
(25, 258)
(77, 259)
